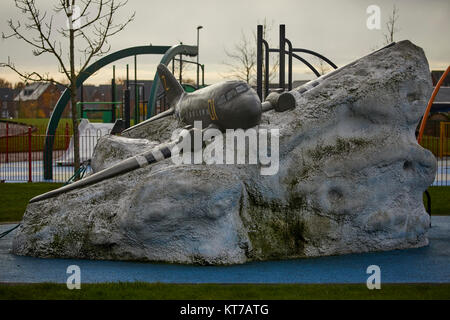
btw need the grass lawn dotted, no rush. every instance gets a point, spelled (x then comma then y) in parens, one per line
(156, 291)
(440, 200)
(62, 136)
(20, 143)
(14, 198)
(41, 124)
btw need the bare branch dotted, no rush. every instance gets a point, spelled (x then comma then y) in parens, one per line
(94, 32)
(31, 76)
(102, 31)
(42, 43)
(391, 26)
(242, 59)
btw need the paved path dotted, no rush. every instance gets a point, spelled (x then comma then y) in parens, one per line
(429, 264)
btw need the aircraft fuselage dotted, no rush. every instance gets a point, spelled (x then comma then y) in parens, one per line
(230, 105)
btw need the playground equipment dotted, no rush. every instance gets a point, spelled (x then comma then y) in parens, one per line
(225, 105)
(442, 128)
(89, 133)
(107, 114)
(430, 104)
(168, 54)
(282, 52)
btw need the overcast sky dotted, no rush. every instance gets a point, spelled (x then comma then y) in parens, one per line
(337, 29)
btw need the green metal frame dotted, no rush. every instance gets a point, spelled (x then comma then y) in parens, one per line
(81, 111)
(168, 52)
(168, 56)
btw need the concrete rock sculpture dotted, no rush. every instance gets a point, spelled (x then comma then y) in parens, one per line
(351, 177)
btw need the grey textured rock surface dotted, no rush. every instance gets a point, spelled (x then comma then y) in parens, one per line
(112, 149)
(350, 179)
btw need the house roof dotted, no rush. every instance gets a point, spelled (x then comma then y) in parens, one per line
(436, 75)
(32, 91)
(6, 94)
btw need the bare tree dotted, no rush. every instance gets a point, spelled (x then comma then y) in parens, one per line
(186, 68)
(242, 59)
(391, 26)
(19, 85)
(5, 83)
(322, 66)
(89, 25)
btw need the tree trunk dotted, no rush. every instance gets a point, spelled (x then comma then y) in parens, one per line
(73, 99)
(76, 140)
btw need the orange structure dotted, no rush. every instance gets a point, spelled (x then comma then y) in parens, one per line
(430, 103)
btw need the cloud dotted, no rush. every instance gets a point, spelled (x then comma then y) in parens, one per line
(336, 29)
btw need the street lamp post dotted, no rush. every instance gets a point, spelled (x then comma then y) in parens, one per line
(198, 52)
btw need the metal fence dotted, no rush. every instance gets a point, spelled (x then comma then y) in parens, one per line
(436, 138)
(21, 154)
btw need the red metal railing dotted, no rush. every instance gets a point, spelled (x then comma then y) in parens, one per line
(21, 151)
(21, 154)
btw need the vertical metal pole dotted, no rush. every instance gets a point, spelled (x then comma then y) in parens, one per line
(29, 154)
(82, 104)
(48, 163)
(127, 108)
(136, 102)
(128, 78)
(7, 151)
(259, 61)
(67, 136)
(266, 69)
(113, 96)
(143, 99)
(198, 52)
(281, 59)
(289, 65)
(181, 68)
(203, 75)
(138, 107)
(441, 139)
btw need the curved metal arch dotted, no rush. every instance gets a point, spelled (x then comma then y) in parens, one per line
(317, 55)
(169, 55)
(90, 70)
(317, 73)
(309, 65)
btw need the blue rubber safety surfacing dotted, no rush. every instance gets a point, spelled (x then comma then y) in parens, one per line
(430, 264)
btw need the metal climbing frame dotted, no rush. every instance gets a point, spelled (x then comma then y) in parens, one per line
(291, 52)
(168, 54)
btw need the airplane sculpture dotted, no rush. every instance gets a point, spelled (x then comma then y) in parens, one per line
(225, 105)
